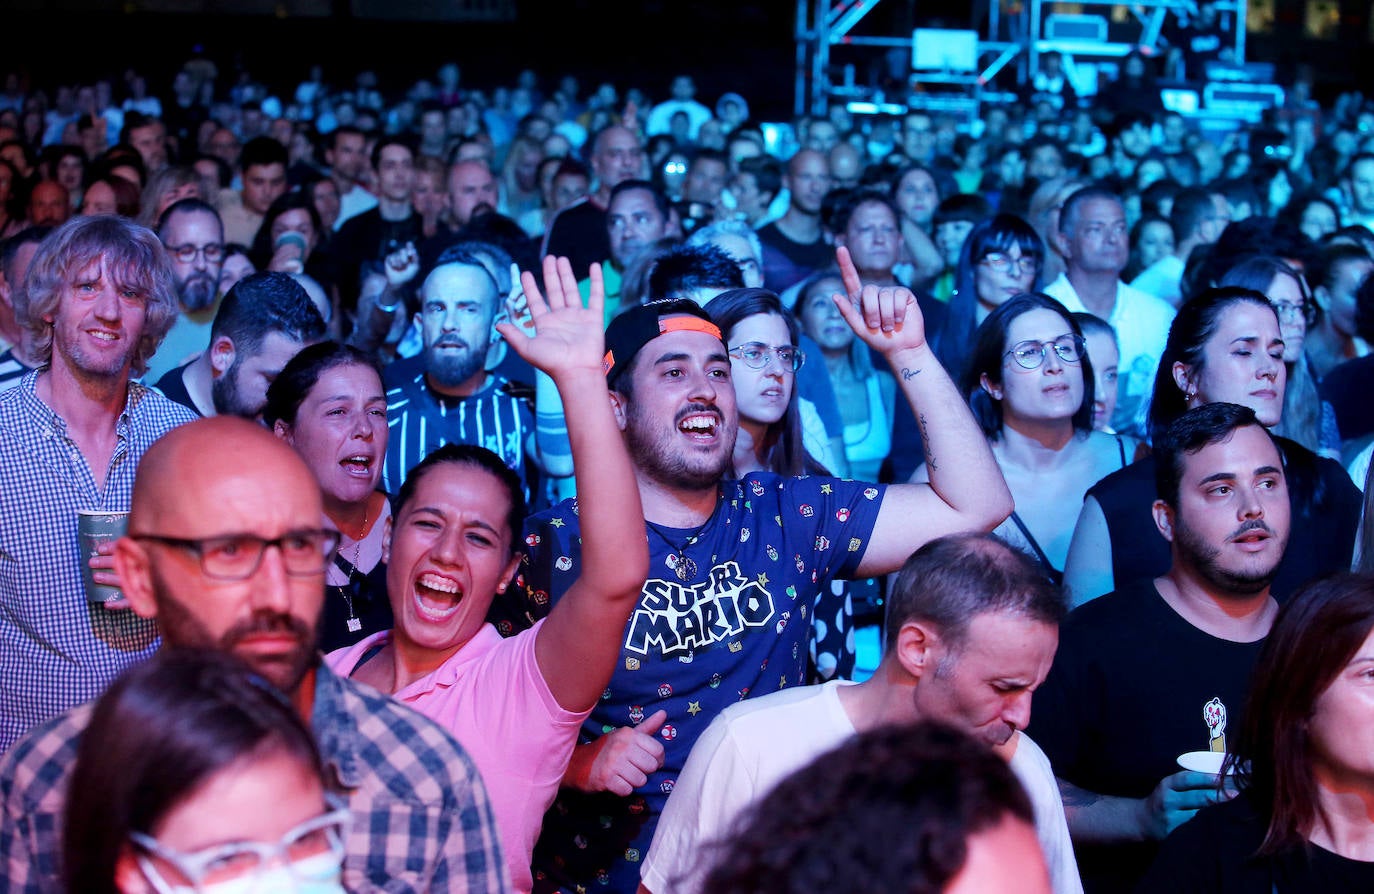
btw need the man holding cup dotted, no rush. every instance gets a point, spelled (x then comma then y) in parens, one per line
(1153, 673)
(98, 298)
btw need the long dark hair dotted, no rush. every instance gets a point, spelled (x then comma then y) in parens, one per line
(994, 234)
(162, 729)
(989, 348)
(303, 371)
(783, 449)
(1316, 634)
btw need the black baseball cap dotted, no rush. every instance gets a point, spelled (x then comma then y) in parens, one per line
(635, 327)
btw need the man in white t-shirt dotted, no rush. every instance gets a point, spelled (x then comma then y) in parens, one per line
(1095, 243)
(973, 628)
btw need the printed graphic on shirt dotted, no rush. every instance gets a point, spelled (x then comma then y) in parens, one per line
(1214, 715)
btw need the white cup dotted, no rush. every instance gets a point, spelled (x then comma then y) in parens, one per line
(1203, 761)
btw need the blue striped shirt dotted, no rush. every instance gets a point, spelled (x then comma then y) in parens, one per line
(56, 648)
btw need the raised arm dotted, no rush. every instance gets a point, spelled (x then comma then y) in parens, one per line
(966, 491)
(579, 643)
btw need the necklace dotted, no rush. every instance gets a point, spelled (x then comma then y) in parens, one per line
(354, 623)
(678, 560)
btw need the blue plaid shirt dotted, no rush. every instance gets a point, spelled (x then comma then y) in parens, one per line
(56, 648)
(422, 821)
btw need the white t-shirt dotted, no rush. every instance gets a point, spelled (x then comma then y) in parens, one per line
(1162, 279)
(1142, 325)
(752, 746)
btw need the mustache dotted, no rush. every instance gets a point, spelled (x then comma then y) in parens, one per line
(450, 341)
(272, 623)
(694, 409)
(1254, 524)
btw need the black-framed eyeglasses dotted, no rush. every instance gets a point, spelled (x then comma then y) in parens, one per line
(236, 556)
(1031, 354)
(1296, 310)
(213, 251)
(1009, 266)
(756, 354)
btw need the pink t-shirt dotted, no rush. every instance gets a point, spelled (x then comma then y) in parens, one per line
(492, 697)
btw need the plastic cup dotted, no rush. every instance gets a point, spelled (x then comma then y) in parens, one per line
(95, 528)
(1203, 761)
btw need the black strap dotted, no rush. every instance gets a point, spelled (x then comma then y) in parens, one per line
(1051, 572)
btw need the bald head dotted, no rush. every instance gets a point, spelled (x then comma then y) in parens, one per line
(214, 475)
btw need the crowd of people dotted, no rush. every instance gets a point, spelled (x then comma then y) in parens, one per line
(506, 473)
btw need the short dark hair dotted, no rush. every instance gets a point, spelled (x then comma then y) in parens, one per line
(262, 303)
(478, 458)
(891, 809)
(405, 141)
(847, 201)
(162, 729)
(1190, 208)
(970, 207)
(660, 200)
(1068, 214)
(683, 269)
(263, 152)
(302, 372)
(1197, 428)
(189, 205)
(766, 171)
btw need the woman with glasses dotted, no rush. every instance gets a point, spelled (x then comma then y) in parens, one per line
(1030, 386)
(1002, 257)
(778, 431)
(1224, 345)
(196, 775)
(865, 393)
(1307, 418)
(1303, 760)
(329, 404)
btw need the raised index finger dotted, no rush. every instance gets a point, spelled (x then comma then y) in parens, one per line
(849, 273)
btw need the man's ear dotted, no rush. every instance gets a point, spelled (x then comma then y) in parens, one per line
(917, 648)
(1061, 242)
(1164, 519)
(619, 409)
(135, 576)
(1322, 296)
(222, 355)
(386, 539)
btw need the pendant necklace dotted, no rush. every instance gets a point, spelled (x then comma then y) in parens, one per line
(354, 623)
(683, 566)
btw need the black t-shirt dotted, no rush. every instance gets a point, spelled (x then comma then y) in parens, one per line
(1132, 687)
(367, 237)
(1326, 507)
(786, 262)
(1214, 852)
(578, 232)
(1346, 388)
(173, 387)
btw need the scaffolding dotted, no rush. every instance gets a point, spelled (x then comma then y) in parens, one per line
(1041, 26)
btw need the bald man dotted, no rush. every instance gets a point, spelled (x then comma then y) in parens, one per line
(225, 551)
(794, 245)
(578, 231)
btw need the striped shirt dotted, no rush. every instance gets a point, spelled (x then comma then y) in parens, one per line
(421, 420)
(421, 818)
(11, 370)
(56, 648)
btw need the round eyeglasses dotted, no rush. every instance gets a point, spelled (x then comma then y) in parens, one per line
(1031, 354)
(756, 355)
(236, 556)
(1296, 310)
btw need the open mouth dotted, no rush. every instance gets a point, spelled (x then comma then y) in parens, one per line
(699, 426)
(359, 464)
(437, 597)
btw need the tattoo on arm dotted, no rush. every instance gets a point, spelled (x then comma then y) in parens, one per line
(925, 439)
(1073, 796)
(909, 374)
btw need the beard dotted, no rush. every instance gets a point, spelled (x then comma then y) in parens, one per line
(451, 368)
(1202, 557)
(181, 628)
(197, 291)
(224, 393)
(664, 459)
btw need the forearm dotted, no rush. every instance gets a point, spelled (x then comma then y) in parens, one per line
(1102, 819)
(960, 466)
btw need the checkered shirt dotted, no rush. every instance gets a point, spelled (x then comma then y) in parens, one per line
(421, 819)
(56, 648)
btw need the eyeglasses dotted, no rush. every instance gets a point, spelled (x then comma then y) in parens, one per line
(756, 354)
(213, 251)
(1009, 266)
(1296, 310)
(311, 852)
(237, 556)
(1031, 354)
